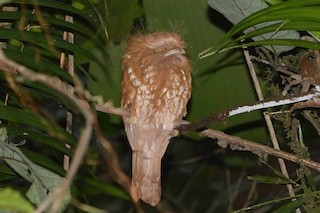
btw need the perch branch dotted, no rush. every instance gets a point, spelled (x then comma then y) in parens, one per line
(220, 116)
(237, 143)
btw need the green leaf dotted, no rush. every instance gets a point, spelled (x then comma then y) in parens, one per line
(291, 206)
(27, 118)
(38, 137)
(316, 35)
(12, 202)
(3, 134)
(269, 180)
(37, 63)
(4, 1)
(44, 161)
(281, 12)
(285, 12)
(40, 40)
(43, 180)
(286, 42)
(295, 200)
(235, 11)
(4, 169)
(293, 24)
(61, 6)
(278, 173)
(51, 21)
(107, 189)
(272, 2)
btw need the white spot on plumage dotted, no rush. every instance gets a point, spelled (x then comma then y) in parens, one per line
(183, 75)
(130, 70)
(149, 74)
(143, 87)
(168, 95)
(132, 76)
(136, 83)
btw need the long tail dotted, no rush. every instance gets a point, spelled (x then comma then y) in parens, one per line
(146, 178)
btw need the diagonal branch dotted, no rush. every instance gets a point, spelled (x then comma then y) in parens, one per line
(237, 143)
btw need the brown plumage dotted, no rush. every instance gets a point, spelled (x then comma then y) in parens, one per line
(309, 67)
(156, 87)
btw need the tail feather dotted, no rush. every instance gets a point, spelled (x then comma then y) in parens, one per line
(146, 178)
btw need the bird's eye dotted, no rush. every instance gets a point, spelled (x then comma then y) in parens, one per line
(160, 49)
(311, 56)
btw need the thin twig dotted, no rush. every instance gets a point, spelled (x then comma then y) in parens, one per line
(109, 108)
(314, 123)
(44, 27)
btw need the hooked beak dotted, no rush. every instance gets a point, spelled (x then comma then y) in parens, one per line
(175, 52)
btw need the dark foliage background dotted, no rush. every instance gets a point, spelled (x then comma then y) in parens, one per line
(197, 175)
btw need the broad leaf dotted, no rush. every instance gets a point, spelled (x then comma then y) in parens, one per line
(235, 11)
(43, 181)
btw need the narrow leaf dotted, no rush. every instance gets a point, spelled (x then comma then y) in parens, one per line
(106, 188)
(33, 62)
(286, 12)
(269, 180)
(65, 8)
(291, 206)
(41, 41)
(27, 118)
